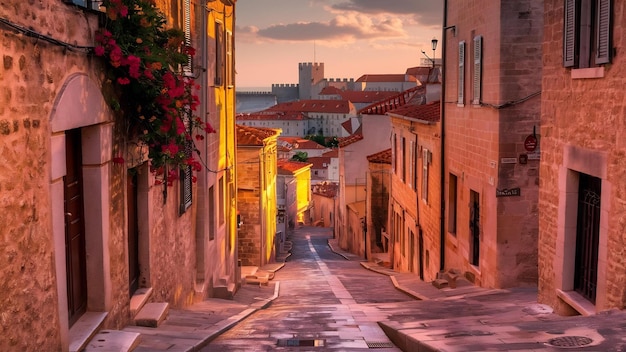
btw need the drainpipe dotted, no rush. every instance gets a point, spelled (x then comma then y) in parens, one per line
(442, 104)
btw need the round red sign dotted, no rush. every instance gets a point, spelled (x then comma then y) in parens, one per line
(530, 144)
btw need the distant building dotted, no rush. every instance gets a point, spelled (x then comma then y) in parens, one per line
(300, 173)
(256, 194)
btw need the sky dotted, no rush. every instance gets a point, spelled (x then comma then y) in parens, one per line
(351, 37)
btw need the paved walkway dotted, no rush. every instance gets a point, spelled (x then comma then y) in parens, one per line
(465, 318)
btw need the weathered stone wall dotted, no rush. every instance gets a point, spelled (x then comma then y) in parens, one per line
(588, 114)
(409, 197)
(32, 72)
(481, 140)
(249, 205)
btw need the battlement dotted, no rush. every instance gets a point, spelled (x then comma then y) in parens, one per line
(284, 85)
(303, 65)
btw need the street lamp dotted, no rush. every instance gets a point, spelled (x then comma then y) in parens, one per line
(434, 46)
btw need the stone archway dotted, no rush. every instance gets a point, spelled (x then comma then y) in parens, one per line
(80, 105)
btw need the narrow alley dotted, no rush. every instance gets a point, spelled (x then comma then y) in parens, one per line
(325, 301)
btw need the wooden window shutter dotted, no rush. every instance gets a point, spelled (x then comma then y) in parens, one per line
(603, 36)
(188, 68)
(569, 34)
(461, 82)
(477, 78)
(219, 54)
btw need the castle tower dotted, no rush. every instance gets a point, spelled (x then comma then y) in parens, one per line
(309, 75)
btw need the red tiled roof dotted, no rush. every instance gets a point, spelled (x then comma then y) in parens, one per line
(332, 154)
(271, 115)
(315, 105)
(387, 78)
(318, 162)
(393, 102)
(288, 167)
(247, 135)
(427, 112)
(330, 90)
(383, 157)
(326, 189)
(301, 143)
(345, 141)
(366, 96)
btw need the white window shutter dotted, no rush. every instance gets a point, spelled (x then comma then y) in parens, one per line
(477, 78)
(461, 82)
(188, 69)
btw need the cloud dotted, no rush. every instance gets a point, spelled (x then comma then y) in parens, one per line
(344, 27)
(424, 12)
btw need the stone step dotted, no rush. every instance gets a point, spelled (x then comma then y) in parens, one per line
(139, 299)
(113, 340)
(224, 291)
(152, 314)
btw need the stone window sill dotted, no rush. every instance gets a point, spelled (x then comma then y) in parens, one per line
(586, 73)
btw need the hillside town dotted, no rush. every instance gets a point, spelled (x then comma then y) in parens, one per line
(138, 180)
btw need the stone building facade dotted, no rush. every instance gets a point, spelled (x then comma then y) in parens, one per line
(56, 132)
(582, 202)
(256, 194)
(415, 202)
(492, 74)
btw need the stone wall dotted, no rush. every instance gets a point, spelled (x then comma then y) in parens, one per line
(249, 205)
(485, 141)
(582, 123)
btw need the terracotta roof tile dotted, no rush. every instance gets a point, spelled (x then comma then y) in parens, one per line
(345, 141)
(332, 154)
(247, 135)
(427, 112)
(288, 167)
(383, 157)
(271, 115)
(326, 189)
(387, 78)
(315, 105)
(393, 102)
(319, 162)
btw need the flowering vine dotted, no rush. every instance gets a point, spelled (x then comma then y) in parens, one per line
(144, 67)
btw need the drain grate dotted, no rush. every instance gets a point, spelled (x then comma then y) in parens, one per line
(380, 344)
(569, 341)
(301, 342)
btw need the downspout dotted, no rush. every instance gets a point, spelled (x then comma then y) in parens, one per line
(442, 109)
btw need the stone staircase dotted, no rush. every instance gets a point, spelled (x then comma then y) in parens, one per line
(224, 289)
(144, 314)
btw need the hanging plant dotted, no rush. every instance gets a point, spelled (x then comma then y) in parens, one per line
(144, 68)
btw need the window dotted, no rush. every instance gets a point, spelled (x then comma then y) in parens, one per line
(211, 207)
(221, 200)
(586, 33)
(415, 166)
(186, 174)
(452, 191)
(403, 159)
(219, 54)
(477, 77)
(461, 87)
(229, 59)
(411, 165)
(426, 158)
(188, 68)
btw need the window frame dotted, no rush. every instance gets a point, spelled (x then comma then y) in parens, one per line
(477, 72)
(461, 74)
(587, 33)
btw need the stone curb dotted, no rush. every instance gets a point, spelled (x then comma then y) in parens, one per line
(376, 268)
(227, 324)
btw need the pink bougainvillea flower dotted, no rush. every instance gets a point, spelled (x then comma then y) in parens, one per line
(123, 80)
(118, 160)
(99, 50)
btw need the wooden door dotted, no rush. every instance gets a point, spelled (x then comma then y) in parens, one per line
(74, 228)
(133, 232)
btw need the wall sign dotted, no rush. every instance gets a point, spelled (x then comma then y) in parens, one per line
(508, 192)
(530, 143)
